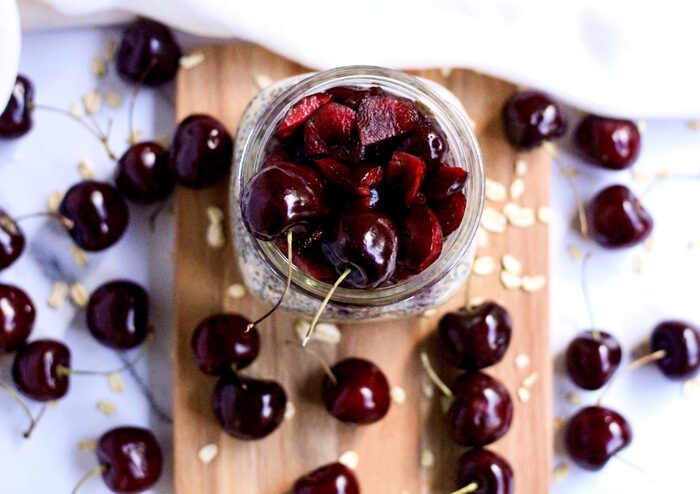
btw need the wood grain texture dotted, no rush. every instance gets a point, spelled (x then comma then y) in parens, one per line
(389, 450)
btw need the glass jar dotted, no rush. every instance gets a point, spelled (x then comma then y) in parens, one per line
(264, 267)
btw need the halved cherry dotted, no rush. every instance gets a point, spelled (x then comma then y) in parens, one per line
(421, 239)
(405, 174)
(357, 181)
(446, 181)
(300, 112)
(450, 212)
(329, 131)
(352, 97)
(383, 117)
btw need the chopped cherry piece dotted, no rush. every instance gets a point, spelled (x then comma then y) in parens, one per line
(383, 117)
(17, 316)
(370, 201)
(335, 478)
(421, 239)
(531, 117)
(450, 212)
(404, 175)
(143, 173)
(617, 219)
(681, 342)
(12, 241)
(300, 112)
(131, 458)
(16, 119)
(490, 472)
(222, 341)
(428, 142)
(148, 52)
(608, 142)
(447, 180)
(356, 181)
(352, 97)
(592, 359)
(594, 435)
(36, 370)
(329, 131)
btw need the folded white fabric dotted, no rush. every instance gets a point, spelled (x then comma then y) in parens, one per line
(619, 57)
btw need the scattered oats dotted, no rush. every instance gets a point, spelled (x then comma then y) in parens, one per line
(493, 221)
(80, 257)
(289, 411)
(107, 407)
(428, 390)
(517, 216)
(92, 101)
(54, 201)
(560, 472)
(99, 66)
(445, 72)
(639, 264)
(475, 302)
(350, 459)
(693, 124)
(215, 232)
(663, 172)
(534, 283)
(511, 264)
(484, 265)
(482, 238)
(559, 424)
(517, 188)
(79, 294)
(113, 99)
(445, 403)
(190, 61)
(235, 291)
(163, 140)
(522, 361)
(52, 404)
(523, 394)
(427, 458)
(649, 243)
(569, 171)
(544, 214)
(208, 452)
(8, 224)
(691, 388)
(495, 191)
(551, 148)
(573, 398)
(398, 395)
(429, 313)
(215, 214)
(88, 445)
(76, 110)
(324, 332)
(530, 380)
(575, 252)
(642, 126)
(86, 169)
(58, 294)
(116, 383)
(640, 175)
(511, 280)
(134, 137)
(262, 81)
(110, 50)
(520, 167)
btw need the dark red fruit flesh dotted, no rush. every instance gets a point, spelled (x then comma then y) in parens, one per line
(17, 316)
(608, 142)
(428, 142)
(201, 153)
(358, 180)
(223, 341)
(97, 212)
(447, 180)
(404, 176)
(383, 117)
(481, 412)
(132, 459)
(249, 408)
(12, 241)
(148, 53)
(360, 393)
(143, 173)
(450, 212)
(117, 314)
(532, 117)
(594, 435)
(36, 373)
(490, 472)
(330, 131)
(421, 239)
(617, 219)
(300, 112)
(16, 118)
(334, 478)
(681, 342)
(476, 338)
(592, 359)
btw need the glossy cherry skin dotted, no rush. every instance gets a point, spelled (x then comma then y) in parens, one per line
(131, 458)
(608, 142)
(12, 241)
(365, 242)
(117, 314)
(36, 373)
(616, 219)
(222, 341)
(17, 316)
(334, 478)
(148, 52)
(249, 408)
(681, 342)
(532, 117)
(201, 153)
(594, 435)
(360, 394)
(143, 173)
(476, 338)
(592, 359)
(481, 411)
(16, 118)
(491, 472)
(98, 214)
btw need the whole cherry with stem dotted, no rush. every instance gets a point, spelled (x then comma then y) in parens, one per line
(532, 117)
(334, 478)
(16, 118)
(17, 315)
(148, 53)
(481, 471)
(617, 219)
(221, 342)
(12, 241)
(117, 314)
(607, 142)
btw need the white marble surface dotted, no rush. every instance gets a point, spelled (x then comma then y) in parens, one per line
(627, 303)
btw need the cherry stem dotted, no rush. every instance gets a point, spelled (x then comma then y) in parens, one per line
(236, 372)
(67, 371)
(134, 95)
(636, 467)
(321, 360)
(583, 221)
(467, 488)
(587, 296)
(92, 473)
(335, 286)
(290, 238)
(43, 214)
(640, 362)
(661, 179)
(32, 421)
(434, 376)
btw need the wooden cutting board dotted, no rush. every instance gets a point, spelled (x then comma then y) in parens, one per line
(390, 450)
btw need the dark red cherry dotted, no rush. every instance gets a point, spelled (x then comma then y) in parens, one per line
(365, 242)
(404, 176)
(353, 96)
(334, 478)
(36, 370)
(131, 459)
(358, 180)
(490, 472)
(17, 316)
(16, 119)
(222, 341)
(148, 52)
(428, 142)
(481, 411)
(143, 173)
(608, 142)
(117, 314)
(592, 359)
(681, 342)
(11, 241)
(476, 338)
(330, 131)
(594, 435)
(617, 219)
(249, 408)
(360, 393)
(450, 212)
(421, 239)
(382, 117)
(447, 180)
(300, 112)
(531, 117)
(98, 214)
(201, 152)
(281, 198)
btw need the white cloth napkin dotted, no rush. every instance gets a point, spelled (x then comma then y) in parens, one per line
(619, 57)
